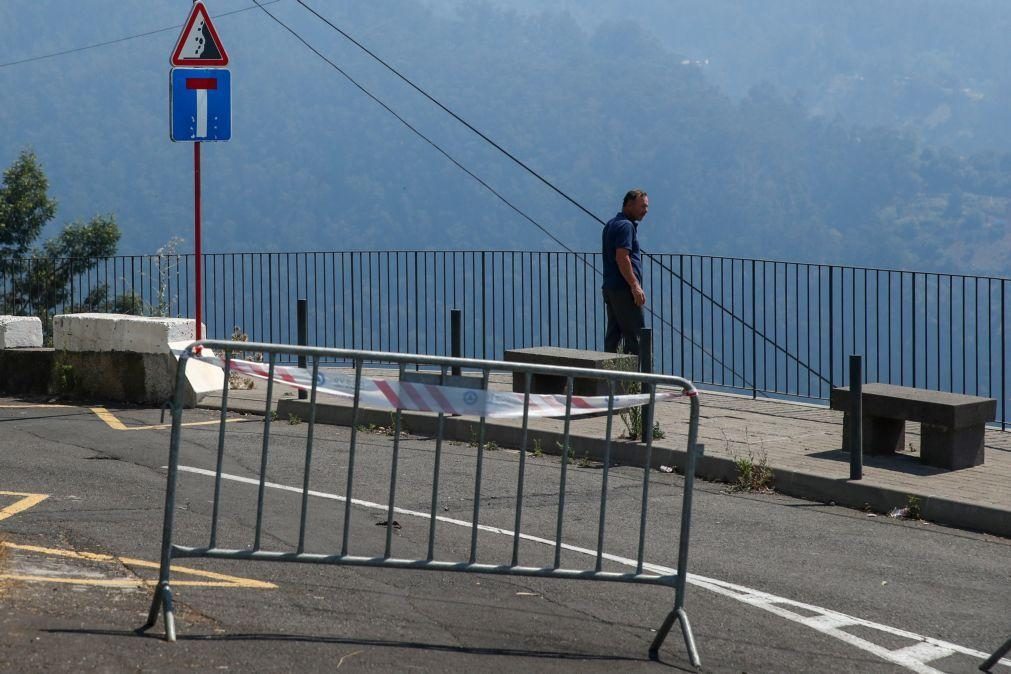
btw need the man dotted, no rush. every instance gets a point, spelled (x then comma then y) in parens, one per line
(623, 294)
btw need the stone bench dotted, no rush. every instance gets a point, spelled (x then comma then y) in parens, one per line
(553, 355)
(952, 424)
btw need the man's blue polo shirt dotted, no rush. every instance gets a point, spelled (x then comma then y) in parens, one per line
(620, 232)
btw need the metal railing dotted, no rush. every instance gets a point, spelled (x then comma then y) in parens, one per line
(760, 326)
(447, 388)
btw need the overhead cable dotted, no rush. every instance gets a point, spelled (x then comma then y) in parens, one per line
(121, 39)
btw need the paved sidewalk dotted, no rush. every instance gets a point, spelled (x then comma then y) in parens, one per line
(800, 443)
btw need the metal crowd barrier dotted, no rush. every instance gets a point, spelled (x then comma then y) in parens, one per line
(440, 368)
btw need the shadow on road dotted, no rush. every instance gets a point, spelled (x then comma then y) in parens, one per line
(382, 643)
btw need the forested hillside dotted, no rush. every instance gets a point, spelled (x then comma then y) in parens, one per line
(750, 154)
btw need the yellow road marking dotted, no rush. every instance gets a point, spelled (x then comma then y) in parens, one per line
(26, 502)
(117, 425)
(107, 416)
(214, 579)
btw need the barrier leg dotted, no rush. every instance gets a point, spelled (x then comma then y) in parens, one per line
(680, 587)
(163, 594)
(686, 631)
(162, 601)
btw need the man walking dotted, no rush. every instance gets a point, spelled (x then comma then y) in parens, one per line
(623, 294)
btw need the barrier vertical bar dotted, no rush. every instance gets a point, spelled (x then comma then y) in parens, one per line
(302, 316)
(603, 479)
(856, 418)
(162, 599)
(435, 473)
(1003, 359)
(351, 456)
(648, 434)
(308, 454)
(221, 449)
(477, 471)
(522, 469)
(680, 583)
(393, 476)
(264, 452)
(565, 464)
(646, 366)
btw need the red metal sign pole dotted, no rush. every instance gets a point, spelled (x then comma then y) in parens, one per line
(196, 236)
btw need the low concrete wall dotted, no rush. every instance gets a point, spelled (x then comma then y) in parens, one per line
(119, 332)
(109, 357)
(142, 378)
(20, 332)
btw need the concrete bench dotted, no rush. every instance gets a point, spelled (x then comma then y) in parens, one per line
(952, 424)
(553, 355)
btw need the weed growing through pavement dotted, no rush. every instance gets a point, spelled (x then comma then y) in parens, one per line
(385, 430)
(913, 507)
(489, 445)
(294, 419)
(753, 472)
(537, 452)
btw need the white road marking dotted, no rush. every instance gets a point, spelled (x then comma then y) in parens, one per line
(827, 622)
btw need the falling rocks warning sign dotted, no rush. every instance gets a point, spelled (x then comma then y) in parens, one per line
(198, 43)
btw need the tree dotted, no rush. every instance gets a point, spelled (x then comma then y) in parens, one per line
(36, 280)
(24, 206)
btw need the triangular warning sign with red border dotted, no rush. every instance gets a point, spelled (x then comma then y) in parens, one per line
(199, 44)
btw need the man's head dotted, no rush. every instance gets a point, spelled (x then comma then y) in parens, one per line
(636, 204)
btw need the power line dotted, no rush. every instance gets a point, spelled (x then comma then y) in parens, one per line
(414, 130)
(454, 115)
(553, 187)
(118, 40)
(580, 256)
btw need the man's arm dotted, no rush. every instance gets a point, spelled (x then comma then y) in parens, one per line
(621, 256)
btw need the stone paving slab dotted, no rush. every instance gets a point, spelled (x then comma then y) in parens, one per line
(799, 442)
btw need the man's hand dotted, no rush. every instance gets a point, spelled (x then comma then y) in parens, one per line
(638, 296)
(621, 256)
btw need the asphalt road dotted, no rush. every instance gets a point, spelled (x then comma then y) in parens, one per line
(778, 584)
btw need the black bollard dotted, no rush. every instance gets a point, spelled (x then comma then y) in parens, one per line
(856, 418)
(302, 320)
(456, 337)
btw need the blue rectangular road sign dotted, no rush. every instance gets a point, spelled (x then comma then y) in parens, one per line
(200, 103)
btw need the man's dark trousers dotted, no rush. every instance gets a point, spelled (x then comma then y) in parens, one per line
(624, 320)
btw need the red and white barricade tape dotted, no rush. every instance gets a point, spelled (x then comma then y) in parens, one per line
(391, 394)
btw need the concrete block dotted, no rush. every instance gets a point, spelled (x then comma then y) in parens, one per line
(20, 332)
(119, 332)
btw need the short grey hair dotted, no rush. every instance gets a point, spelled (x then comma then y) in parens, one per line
(632, 195)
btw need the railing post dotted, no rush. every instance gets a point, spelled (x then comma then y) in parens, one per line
(831, 327)
(303, 335)
(646, 366)
(856, 431)
(456, 337)
(484, 304)
(754, 335)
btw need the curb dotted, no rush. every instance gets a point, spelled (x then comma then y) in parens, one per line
(861, 494)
